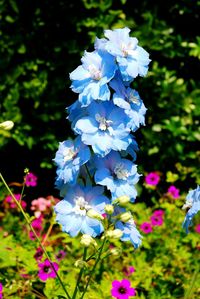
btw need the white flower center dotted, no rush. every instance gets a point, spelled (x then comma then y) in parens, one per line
(120, 171)
(94, 72)
(81, 206)
(133, 98)
(68, 154)
(103, 123)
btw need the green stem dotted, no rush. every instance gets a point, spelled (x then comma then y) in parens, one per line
(35, 234)
(94, 267)
(194, 277)
(80, 275)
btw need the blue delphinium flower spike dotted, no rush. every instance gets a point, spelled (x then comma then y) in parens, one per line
(193, 203)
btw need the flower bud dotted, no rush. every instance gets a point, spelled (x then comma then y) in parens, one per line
(109, 209)
(114, 234)
(125, 217)
(87, 240)
(7, 125)
(93, 214)
(122, 200)
(80, 264)
(115, 251)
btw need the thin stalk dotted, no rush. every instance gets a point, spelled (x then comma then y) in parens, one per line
(35, 234)
(80, 275)
(194, 277)
(93, 269)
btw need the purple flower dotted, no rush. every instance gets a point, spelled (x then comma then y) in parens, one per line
(197, 228)
(158, 213)
(46, 270)
(128, 270)
(1, 290)
(146, 227)
(38, 255)
(152, 178)
(173, 191)
(156, 220)
(31, 180)
(122, 289)
(60, 255)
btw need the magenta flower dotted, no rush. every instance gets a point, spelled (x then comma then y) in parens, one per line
(122, 289)
(156, 220)
(46, 270)
(1, 290)
(60, 255)
(146, 227)
(11, 203)
(128, 270)
(37, 225)
(152, 178)
(158, 213)
(197, 228)
(38, 255)
(173, 191)
(30, 180)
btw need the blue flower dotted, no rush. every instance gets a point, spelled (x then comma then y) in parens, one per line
(133, 60)
(105, 128)
(117, 174)
(129, 100)
(69, 158)
(75, 112)
(90, 79)
(130, 232)
(192, 202)
(71, 212)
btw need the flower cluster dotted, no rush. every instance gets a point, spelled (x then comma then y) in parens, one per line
(193, 204)
(156, 219)
(104, 118)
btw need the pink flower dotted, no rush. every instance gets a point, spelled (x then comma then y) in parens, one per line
(40, 205)
(60, 255)
(46, 270)
(146, 227)
(1, 290)
(197, 228)
(173, 191)
(10, 201)
(128, 270)
(158, 213)
(37, 225)
(30, 180)
(152, 178)
(156, 220)
(122, 289)
(38, 255)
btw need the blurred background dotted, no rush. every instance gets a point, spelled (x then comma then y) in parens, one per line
(41, 42)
